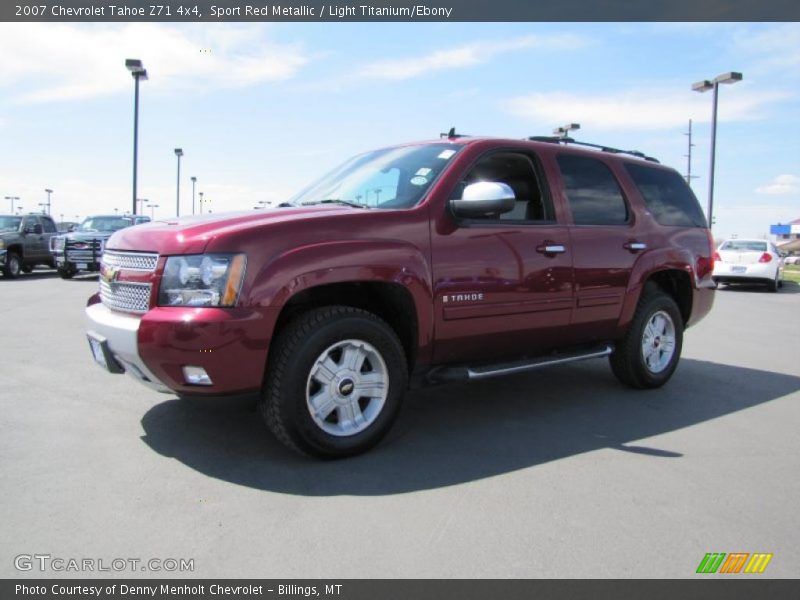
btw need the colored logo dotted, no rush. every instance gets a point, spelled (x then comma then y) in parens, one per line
(109, 274)
(735, 562)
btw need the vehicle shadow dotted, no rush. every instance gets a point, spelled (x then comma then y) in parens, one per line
(789, 287)
(458, 433)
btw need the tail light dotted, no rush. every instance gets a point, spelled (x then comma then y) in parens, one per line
(765, 258)
(717, 257)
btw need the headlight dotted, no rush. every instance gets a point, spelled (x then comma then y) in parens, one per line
(202, 280)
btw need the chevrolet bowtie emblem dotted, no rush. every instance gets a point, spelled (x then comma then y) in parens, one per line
(110, 274)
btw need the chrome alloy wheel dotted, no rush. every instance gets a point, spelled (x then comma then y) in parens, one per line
(347, 387)
(658, 342)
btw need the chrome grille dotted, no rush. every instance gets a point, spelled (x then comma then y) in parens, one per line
(133, 261)
(126, 296)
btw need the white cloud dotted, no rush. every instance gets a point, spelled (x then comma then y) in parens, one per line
(645, 108)
(776, 47)
(57, 61)
(464, 56)
(781, 185)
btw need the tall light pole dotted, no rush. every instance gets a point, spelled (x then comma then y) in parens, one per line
(194, 181)
(152, 208)
(48, 199)
(141, 202)
(688, 155)
(705, 86)
(134, 65)
(201, 201)
(12, 199)
(178, 153)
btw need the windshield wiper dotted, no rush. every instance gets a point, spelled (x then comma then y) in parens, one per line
(336, 201)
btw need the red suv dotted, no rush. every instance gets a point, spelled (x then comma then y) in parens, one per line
(450, 260)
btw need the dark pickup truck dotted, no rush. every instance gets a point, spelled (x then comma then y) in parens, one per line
(25, 243)
(450, 260)
(81, 248)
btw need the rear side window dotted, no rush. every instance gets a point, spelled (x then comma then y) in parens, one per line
(667, 196)
(594, 195)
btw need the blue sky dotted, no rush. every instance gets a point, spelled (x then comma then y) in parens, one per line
(262, 109)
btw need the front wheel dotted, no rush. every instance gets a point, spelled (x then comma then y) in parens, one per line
(335, 382)
(13, 265)
(648, 354)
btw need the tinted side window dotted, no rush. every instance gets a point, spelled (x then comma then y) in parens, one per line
(518, 172)
(668, 197)
(594, 195)
(29, 222)
(48, 226)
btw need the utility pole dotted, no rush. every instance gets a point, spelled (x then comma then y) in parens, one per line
(688, 156)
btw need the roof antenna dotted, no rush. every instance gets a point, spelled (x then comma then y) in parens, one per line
(451, 135)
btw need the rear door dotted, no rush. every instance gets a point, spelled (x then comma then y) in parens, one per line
(503, 284)
(604, 243)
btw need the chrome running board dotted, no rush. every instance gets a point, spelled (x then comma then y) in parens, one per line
(448, 374)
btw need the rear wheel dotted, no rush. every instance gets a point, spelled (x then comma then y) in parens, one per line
(335, 382)
(648, 354)
(13, 265)
(773, 285)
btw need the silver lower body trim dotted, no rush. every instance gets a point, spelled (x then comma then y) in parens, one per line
(121, 330)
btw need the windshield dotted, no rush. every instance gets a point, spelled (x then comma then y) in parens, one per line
(387, 178)
(107, 224)
(11, 223)
(745, 246)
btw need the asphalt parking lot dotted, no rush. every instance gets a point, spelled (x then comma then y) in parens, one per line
(558, 473)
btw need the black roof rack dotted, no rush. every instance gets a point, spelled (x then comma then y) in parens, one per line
(551, 139)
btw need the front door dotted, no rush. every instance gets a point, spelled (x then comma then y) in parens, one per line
(503, 284)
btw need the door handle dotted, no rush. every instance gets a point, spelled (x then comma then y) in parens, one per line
(551, 248)
(634, 246)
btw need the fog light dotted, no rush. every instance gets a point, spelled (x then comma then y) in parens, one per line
(196, 376)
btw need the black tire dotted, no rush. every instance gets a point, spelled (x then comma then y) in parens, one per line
(627, 361)
(13, 265)
(773, 285)
(26, 269)
(66, 273)
(294, 353)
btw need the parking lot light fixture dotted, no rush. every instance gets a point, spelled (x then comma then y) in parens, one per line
(152, 208)
(12, 199)
(178, 153)
(48, 191)
(134, 65)
(705, 86)
(194, 181)
(201, 201)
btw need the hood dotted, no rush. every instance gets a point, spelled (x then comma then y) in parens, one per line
(191, 235)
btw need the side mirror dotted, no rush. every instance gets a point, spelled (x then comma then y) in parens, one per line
(482, 199)
(71, 228)
(37, 229)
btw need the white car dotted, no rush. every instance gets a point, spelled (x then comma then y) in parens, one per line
(792, 260)
(749, 261)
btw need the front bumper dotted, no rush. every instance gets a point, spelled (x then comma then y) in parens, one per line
(121, 332)
(229, 344)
